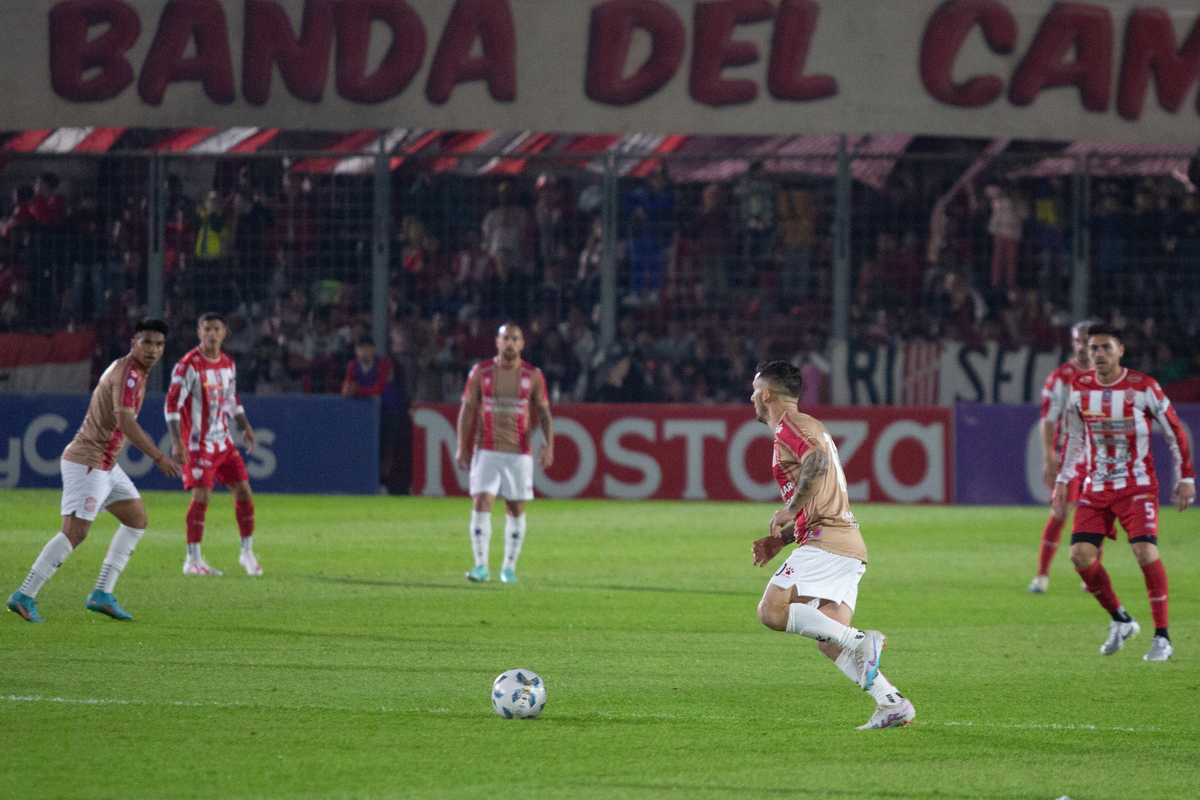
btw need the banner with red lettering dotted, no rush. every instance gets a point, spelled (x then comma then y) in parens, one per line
(696, 452)
(1032, 69)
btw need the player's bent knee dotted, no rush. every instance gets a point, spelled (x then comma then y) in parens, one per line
(1083, 555)
(773, 614)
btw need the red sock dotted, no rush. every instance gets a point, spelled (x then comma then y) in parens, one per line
(1098, 583)
(244, 511)
(1156, 588)
(195, 521)
(1051, 536)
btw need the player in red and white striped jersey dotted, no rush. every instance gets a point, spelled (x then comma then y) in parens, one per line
(203, 394)
(1117, 407)
(493, 437)
(1054, 441)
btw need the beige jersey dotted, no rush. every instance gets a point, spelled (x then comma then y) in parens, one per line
(505, 397)
(98, 441)
(827, 515)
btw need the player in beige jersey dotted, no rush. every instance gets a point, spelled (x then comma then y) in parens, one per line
(93, 481)
(813, 594)
(501, 397)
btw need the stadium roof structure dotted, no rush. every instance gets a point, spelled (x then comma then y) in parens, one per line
(509, 153)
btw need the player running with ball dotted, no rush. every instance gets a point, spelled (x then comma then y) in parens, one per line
(1117, 407)
(814, 592)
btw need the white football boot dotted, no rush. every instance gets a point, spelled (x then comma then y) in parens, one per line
(250, 563)
(198, 567)
(865, 654)
(1039, 584)
(1118, 634)
(1160, 649)
(900, 715)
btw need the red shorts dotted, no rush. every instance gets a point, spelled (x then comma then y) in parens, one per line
(1074, 490)
(208, 469)
(1137, 510)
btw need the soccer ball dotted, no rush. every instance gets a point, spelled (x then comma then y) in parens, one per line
(518, 693)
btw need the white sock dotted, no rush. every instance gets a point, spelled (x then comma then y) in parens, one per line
(808, 621)
(193, 551)
(247, 544)
(514, 537)
(47, 563)
(884, 692)
(481, 536)
(119, 551)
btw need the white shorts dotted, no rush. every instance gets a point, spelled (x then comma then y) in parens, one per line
(817, 573)
(88, 491)
(507, 475)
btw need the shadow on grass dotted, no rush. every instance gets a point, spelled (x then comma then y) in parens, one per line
(350, 580)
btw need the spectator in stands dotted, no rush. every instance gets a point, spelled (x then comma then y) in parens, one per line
(295, 222)
(756, 217)
(554, 219)
(1109, 244)
(264, 372)
(506, 228)
(250, 221)
(1004, 225)
(649, 223)
(797, 233)
(370, 376)
(712, 237)
(1184, 249)
(1051, 232)
(586, 291)
(1147, 252)
(212, 234)
(88, 249)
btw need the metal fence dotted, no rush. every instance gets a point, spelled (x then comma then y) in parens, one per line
(634, 278)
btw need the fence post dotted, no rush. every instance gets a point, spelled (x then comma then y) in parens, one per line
(155, 262)
(381, 246)
(1080, 239)
(608, 261)
(841, 246)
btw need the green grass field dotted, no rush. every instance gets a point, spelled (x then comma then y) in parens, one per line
(360, 665)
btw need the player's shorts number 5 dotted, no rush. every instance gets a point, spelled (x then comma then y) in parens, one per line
(837, 462)
(1150, 511)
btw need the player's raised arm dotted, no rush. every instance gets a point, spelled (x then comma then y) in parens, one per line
(1182, 471)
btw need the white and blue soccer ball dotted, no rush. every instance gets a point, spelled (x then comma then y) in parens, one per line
(518, 694)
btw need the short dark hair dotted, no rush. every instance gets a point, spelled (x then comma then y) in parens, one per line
(150, 324)
(364, 341)
(784, 376)
(211, 316)
(1104, 329)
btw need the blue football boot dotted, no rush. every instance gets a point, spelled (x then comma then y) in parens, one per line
(507, 575)
(24, 605)
(105, 603)
(478, 574)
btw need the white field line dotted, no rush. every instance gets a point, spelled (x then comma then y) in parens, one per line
(95, 701)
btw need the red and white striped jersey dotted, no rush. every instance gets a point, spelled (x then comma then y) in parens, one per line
(1116, 421)
(1055, 395)
(203, 394)
(505, 396)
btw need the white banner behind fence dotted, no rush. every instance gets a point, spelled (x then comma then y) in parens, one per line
(1032, 69)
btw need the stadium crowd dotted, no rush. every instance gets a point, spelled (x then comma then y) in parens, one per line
(712, 277)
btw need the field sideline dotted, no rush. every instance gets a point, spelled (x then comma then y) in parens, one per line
(359, 665)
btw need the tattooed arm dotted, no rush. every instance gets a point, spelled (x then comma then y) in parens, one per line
(813, 467)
